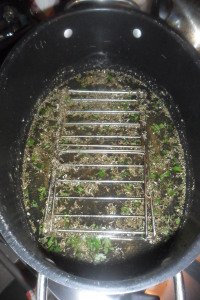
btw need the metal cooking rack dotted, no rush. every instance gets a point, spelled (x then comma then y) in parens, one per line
(71, 147)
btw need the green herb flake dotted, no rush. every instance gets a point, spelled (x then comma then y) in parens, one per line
(31, 142)
(52, 245)
(134, 118)
(101, 173)
(178, 221)
(42, 193)
(94, 244)
(34, 204)
(157, 128)
(177, 169)
(107, 245)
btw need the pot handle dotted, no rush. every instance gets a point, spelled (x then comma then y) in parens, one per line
(125, 3)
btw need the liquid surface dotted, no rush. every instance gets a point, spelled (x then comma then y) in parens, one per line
(104, 173)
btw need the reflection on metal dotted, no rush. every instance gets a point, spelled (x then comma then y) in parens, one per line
(179, 287)
(73, 3)
(64, 293)
(79, 92)
(104, 100)
(184, 17)
(137, 33)
(101, 198)
(68, 33)
(82, 295)
(42, 283)
(104, 166)
(143, 5)
(103, 124)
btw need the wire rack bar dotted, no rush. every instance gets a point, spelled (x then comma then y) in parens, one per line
(104, 92)
(126, 124)
(101, 165)
(101, 198)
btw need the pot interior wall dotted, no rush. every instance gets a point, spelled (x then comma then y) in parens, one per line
(101, 38)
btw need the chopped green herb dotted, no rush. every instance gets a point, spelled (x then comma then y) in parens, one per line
(52, 244)
(34, 204)
(74, 242)
(157, 201)
(166, 174)
(177, 169)
(31, 142)
(101, 173)
(156, 128)
(109, 77)
(42, 193)
(94, 244)
(107, 245)
(126, 210)
(79, 189)
(171, 192)
(178, 221)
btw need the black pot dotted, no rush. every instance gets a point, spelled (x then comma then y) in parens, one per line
(102, 37)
